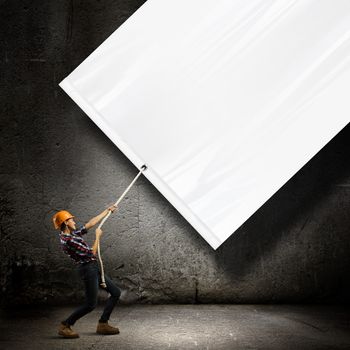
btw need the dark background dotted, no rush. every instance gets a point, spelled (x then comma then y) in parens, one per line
(294, 249)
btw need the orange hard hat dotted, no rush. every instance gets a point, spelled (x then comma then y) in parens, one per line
(60, 217)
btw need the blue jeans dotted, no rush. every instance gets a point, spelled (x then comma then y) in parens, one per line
(90, 275)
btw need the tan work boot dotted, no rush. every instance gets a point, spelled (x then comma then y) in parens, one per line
(105, 328)
(67, 332)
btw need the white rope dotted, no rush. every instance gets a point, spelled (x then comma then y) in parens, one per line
(103, 282)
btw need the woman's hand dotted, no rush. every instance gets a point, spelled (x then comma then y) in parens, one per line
(112, 208)
(98, 233)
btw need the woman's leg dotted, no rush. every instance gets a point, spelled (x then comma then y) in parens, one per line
(114, 292)
(90, 276)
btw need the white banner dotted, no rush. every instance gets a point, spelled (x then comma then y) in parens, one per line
(223, 100)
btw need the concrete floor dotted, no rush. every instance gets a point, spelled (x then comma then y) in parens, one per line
(185, 327)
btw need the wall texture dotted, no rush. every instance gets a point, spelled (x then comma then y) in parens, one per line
(294, 249)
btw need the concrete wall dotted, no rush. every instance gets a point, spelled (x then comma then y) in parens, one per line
(294, 249)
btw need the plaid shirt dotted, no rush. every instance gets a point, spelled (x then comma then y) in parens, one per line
(74, 245)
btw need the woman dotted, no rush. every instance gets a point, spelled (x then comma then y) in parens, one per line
(84, 256)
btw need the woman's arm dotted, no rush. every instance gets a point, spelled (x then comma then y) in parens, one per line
(99, 217)
(97, 240)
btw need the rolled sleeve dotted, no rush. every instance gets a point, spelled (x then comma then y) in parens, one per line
(81, 231)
